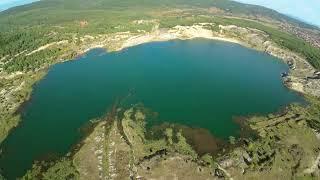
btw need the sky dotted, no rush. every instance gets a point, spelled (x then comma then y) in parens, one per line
(306, 10)
(5, 4)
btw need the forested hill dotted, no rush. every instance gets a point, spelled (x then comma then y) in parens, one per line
(54, 11)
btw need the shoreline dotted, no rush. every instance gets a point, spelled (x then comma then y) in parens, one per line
(295, 81)
(299, 68)
(176, 33)
(138, 40)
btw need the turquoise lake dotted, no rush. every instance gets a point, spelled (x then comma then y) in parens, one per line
(197, 83)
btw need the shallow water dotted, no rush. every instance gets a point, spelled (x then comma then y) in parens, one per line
(198, 83)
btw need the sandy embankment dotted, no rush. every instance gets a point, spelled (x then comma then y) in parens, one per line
(178, 32)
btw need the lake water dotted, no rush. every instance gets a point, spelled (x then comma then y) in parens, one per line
(198, 83)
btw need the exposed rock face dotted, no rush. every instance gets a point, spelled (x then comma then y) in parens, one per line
(177, 32)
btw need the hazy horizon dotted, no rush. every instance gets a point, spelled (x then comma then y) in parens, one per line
(306, 11)
(6, 4)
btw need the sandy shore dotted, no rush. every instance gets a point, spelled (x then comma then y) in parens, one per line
(178, 32)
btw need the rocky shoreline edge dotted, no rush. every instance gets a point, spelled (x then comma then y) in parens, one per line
(302, 77)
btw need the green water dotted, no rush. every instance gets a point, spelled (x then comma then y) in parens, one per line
(199, 83)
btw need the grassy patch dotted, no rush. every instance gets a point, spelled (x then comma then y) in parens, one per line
(62, 169)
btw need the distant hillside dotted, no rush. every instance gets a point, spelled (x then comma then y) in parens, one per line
(47, 9)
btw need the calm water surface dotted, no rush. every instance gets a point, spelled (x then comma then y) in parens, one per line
(199, 83)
